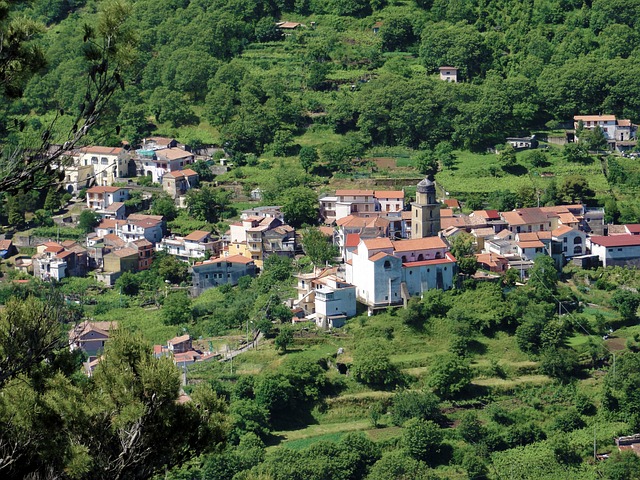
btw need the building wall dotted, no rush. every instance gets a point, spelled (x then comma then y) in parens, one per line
(210, 275)
(610, 256)
(339, 301)
(427, 277)
(93, 343)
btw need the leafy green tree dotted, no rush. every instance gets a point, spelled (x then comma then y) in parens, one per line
(165, 206)
(626, 303)
(426, 162)
(450, 375)
(459, 45)
(507, 156)
(372, 367)
(470, 428)
(444, 153)
(300, 206)
(176, 309)
(52, 201)
(170, 268)
(203, 170)
(169, 106)
(267, 31)
(463, 249)
(423, 440)
(594, 139)
(128, 283)
(397, 33)
(537, 158)
(308, 158)
(284, 339)
(397, 465)
(246, 416)
(575, 189)
(543, 277)
(133, 122)
(88, 220)
(559, 363)
(318, 247)
(576, 153)
(622, 466)
(207, 203)
(42, 218)
(410, 404)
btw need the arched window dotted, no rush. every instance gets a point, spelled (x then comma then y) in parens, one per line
(420, 257)
(438, 255)
(577, 241)
(387, 265)
(577, 249)
(404, 259)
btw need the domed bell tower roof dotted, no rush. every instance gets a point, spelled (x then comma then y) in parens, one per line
(426, 186)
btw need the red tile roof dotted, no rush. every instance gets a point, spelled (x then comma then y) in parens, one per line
(593, 118)
(418, 244)
(633, 228)
(389, 194)
(616, 240)
(197, 235)
(380, 255)
(452, 203)
(377, 243)
(352, 240)
(562, 230)
(102, 150)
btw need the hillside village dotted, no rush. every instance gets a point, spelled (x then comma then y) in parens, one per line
(391, 247)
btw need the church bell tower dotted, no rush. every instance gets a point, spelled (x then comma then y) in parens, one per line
(425, 211)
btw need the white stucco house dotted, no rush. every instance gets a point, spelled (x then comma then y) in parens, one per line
(621, 250)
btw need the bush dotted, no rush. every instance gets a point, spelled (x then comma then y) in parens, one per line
(373, 368)
(450, 375)
(407, 405)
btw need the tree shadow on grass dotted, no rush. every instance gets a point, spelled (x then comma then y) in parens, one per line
(517, 170)
(477, 347)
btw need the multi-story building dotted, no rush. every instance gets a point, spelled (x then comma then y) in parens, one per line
(177, 183)
(91, 337)
(619, 133)
(389, 272)
(109, 164)
(257, 238)
(155, 163)
(195, 246)
(220, 271)
(99, 198)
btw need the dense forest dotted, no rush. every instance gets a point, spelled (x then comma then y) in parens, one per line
(225, 67)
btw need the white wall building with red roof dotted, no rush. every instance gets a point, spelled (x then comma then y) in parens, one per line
(387, 272)
(616, 250)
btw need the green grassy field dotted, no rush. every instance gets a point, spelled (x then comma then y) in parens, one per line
(482, 173)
